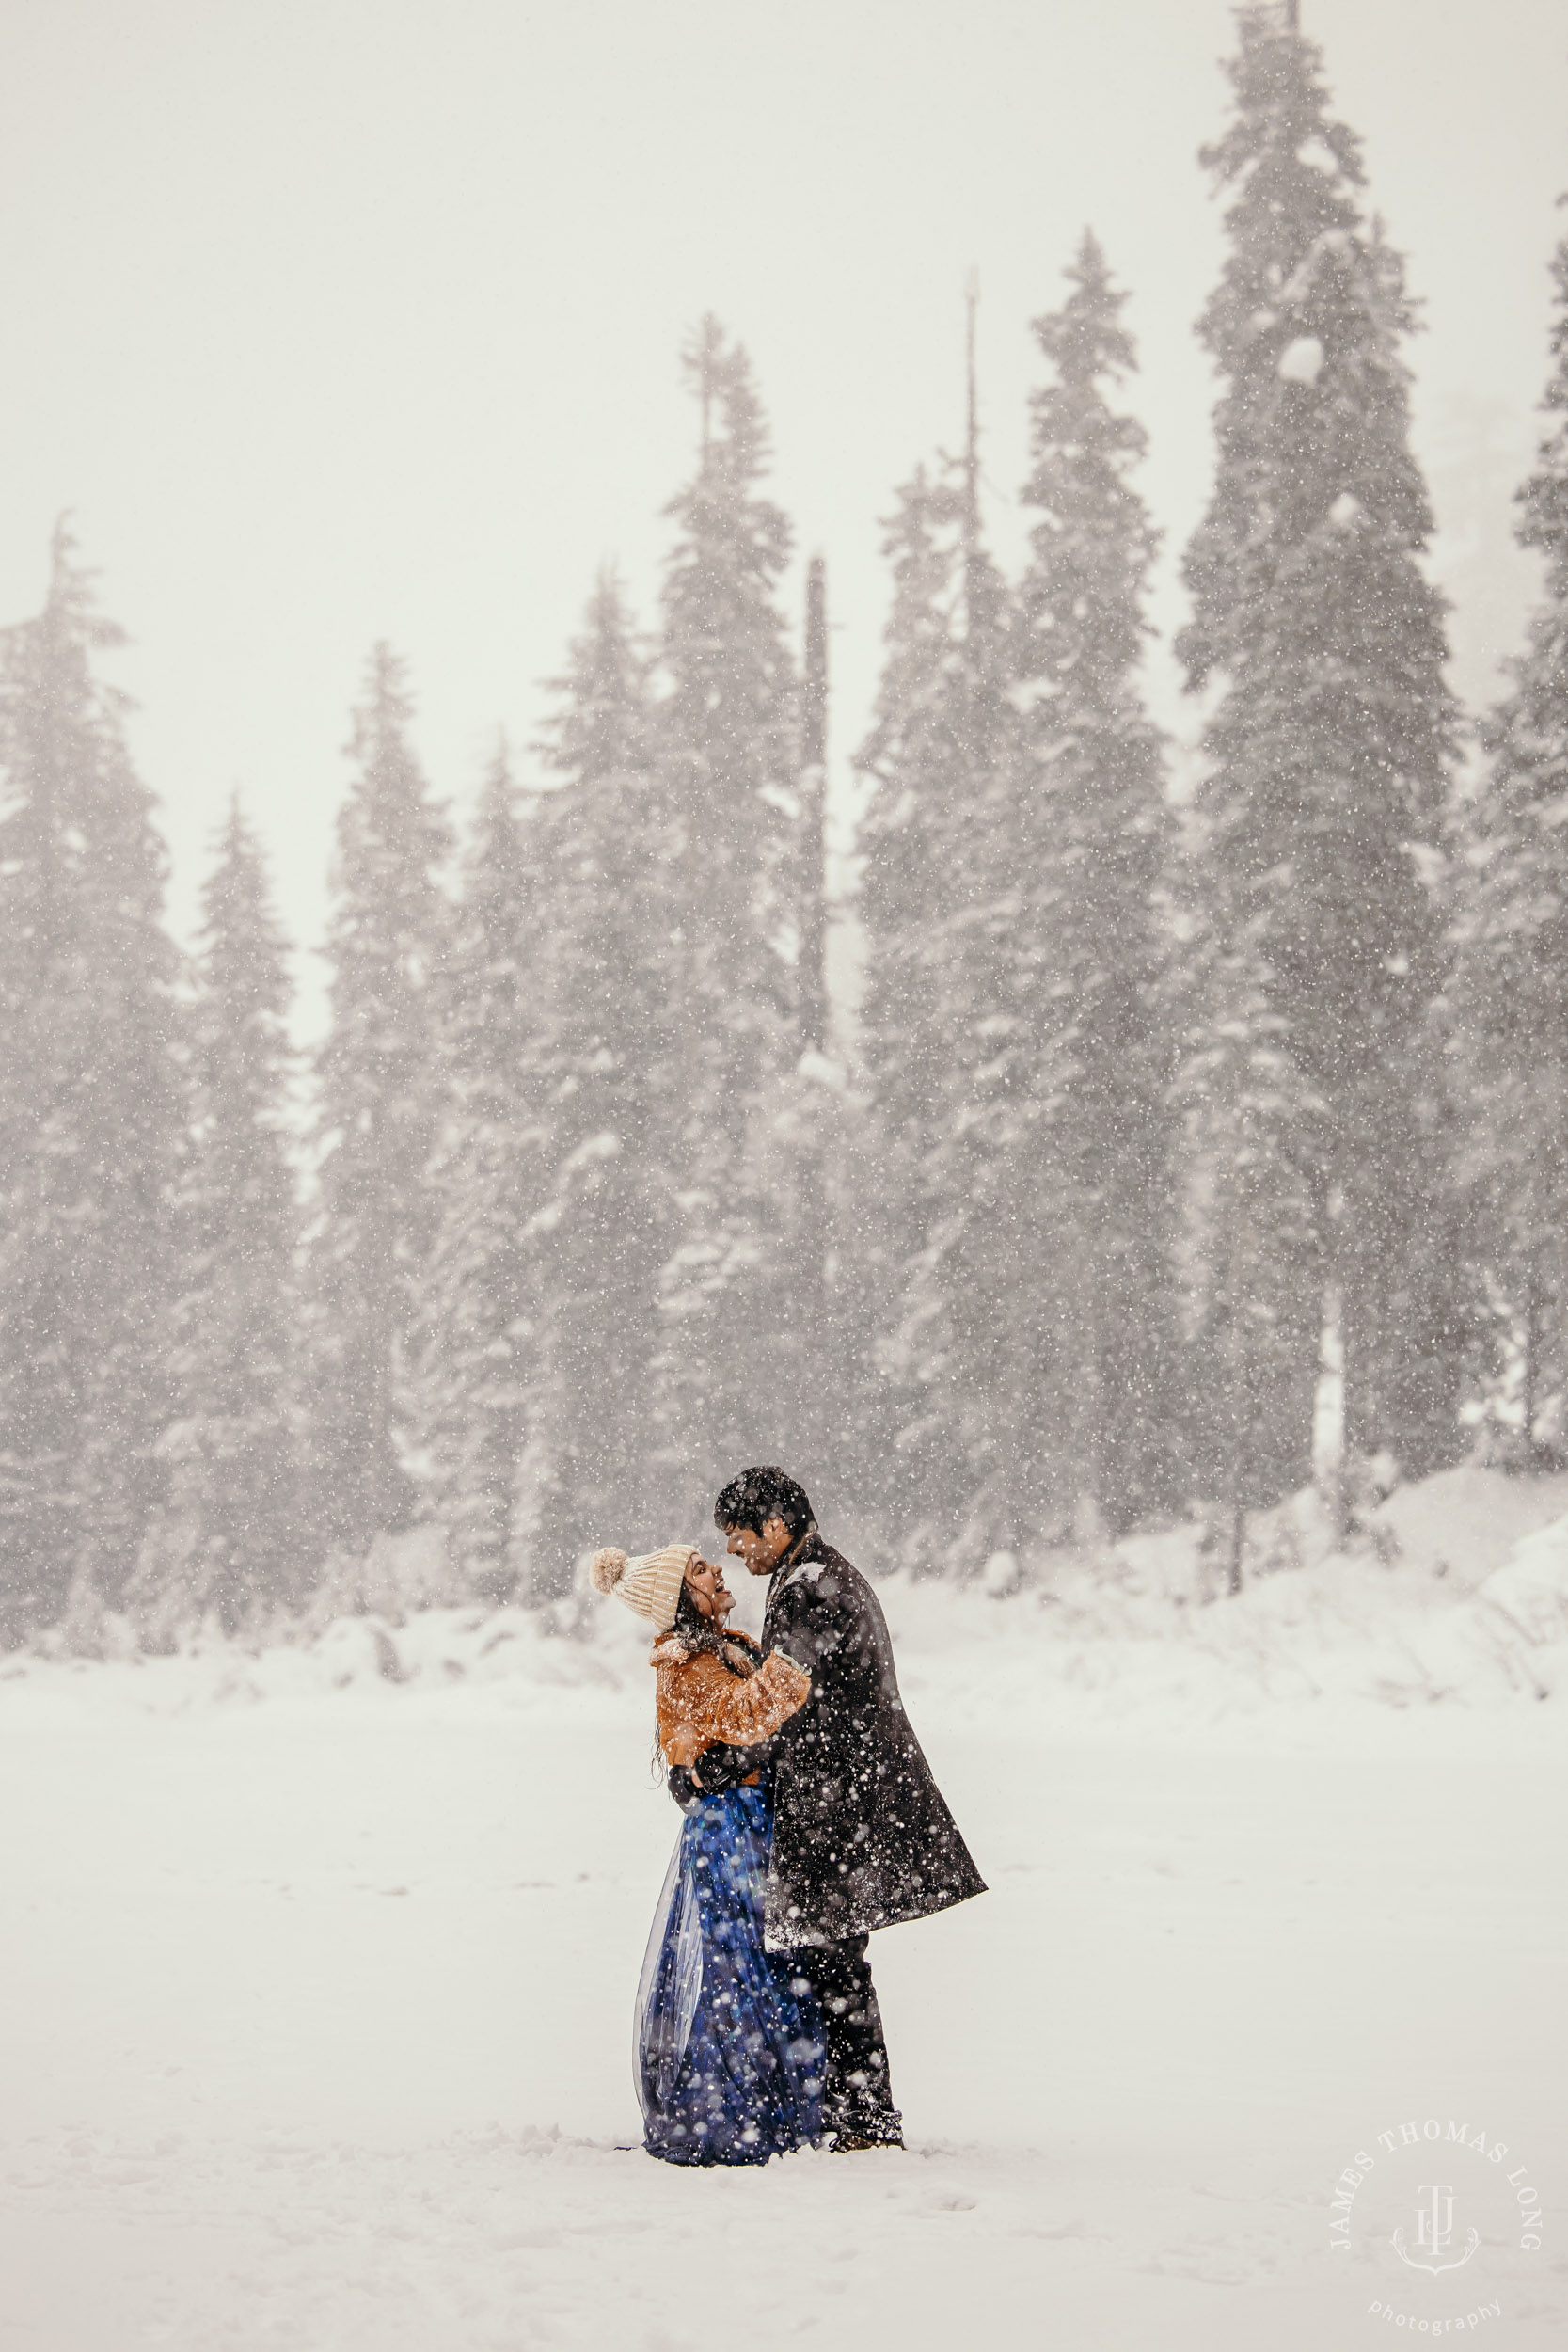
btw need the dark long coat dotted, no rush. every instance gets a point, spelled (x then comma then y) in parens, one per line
(861, 1837)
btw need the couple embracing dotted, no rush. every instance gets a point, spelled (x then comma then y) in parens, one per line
(811, 1818)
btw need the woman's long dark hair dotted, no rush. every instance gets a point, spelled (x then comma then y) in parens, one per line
(700, 1633)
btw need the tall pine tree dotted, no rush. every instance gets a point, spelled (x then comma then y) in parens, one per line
(1253, 1245)
(903, 840)
(727, 751)
(1093, 838)
(469, 1362)
(901, 1034)
(610, 1057)
(964, 1055)
(1512, 979)
(226, 1541)
(92, 1120)
(1328, 748)
(379, 1078)
(976, 1345)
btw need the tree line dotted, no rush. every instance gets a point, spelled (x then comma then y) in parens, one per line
(1170, 1153)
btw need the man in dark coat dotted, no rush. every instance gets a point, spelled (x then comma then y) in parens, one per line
(862, 1838)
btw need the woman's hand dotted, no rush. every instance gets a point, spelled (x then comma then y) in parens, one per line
(685, 1746)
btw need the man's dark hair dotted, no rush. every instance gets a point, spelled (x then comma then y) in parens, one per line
(760, 1495)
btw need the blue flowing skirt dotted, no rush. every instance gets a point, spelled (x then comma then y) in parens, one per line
(729, 2043)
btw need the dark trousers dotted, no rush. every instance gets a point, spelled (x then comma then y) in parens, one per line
(855, 2095)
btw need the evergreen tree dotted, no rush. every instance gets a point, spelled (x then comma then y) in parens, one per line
(1512, 979)
(989, 1287)
(224, 1541)
(380, 1102)
(91, 1118)
(1092, 839)
(964, 1055)
(1328, 748)
(610, 1059)
(469, 1366)
(901, 1037)
(904, 840)
(726, 756)
(1254, 1246)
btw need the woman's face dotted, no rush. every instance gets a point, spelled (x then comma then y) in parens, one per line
(706, 1582)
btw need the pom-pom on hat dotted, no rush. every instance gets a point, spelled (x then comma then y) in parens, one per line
(650, 1586)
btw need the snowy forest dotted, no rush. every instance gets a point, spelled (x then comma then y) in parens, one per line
(1139, 1140)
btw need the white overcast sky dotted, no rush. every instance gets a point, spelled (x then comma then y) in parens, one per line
(332, 320)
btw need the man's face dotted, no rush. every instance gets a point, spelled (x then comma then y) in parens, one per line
(761, 1553)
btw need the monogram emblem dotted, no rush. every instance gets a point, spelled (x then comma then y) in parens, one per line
(1435, 2234)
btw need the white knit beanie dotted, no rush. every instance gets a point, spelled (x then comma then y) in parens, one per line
(651, 1587)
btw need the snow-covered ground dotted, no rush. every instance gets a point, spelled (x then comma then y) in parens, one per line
(316, 1981)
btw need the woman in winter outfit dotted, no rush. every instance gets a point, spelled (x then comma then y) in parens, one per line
(729, 2047)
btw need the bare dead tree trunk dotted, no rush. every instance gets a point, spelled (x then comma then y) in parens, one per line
(971, 454)
(820, 1370)
(1328, 1418)
(812, 909)
(1529, 1364)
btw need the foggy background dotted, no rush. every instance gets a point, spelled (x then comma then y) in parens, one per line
(339, 322)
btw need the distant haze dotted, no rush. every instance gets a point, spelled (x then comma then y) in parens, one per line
(339, 321)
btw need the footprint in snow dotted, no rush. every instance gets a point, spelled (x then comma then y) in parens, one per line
(1207, 2264)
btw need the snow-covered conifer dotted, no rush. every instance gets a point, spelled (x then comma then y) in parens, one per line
(904, 839)
(1255, 1247)
(899, 1031)
(960, 1057)
(92, 1116)
(467, 1361)
(726, 753)
(379, 1078)
(1328, 746)
(1091, 838)
(1511, 980)
(610, 1066)
(225, 1540)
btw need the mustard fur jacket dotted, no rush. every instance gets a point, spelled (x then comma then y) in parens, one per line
(696, 1691)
